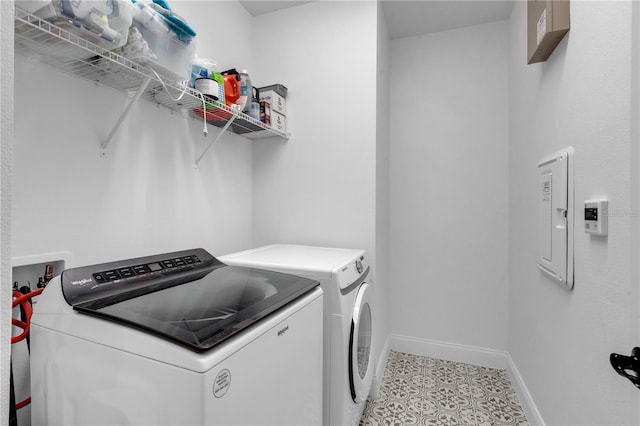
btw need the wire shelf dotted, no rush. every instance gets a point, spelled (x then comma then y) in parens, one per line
(190, 105)
(84, 57)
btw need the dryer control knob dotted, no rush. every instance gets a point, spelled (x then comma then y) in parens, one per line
(359, 266)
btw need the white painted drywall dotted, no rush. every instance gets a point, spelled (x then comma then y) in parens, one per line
(448, 183)
(634, 204)
(146, 197)
(323, 187)
(382, 234)
(319, 187)
(224, 30)
(560, 341)
(6, 154)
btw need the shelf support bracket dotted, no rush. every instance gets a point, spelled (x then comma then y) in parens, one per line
(224, 129)
(136, 97)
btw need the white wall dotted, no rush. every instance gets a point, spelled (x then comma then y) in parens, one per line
(449, 148)
(6, 154)
(146, 196)
(319, 187)
(224, 30)
(327, 184)
(560, 341)
(382, 185)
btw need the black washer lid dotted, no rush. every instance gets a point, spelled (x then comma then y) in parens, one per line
(188, 297)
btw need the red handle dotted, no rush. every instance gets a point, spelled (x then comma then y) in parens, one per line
(24, 300)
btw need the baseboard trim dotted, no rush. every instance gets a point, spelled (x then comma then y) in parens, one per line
(529, 407)
(379, 373)
(450, 351)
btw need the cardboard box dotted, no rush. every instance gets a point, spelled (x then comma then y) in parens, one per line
(278, 121)
(280, 89)
(547, 23)
(278, 103)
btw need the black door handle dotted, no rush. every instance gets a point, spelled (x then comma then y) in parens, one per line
(628, 366)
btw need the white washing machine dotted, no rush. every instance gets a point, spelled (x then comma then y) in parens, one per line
(344, 277)
(177, 339)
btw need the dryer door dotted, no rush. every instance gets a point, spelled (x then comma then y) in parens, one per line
(360, 354)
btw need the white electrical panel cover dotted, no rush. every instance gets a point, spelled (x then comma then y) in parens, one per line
(555, 216)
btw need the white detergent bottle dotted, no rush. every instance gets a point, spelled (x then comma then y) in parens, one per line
(244, 101)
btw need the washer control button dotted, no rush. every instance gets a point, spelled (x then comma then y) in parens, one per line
(111, 275)
(359, 266)
(126, 272)
(140, 269)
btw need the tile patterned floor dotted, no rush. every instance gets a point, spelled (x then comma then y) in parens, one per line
(418, 390)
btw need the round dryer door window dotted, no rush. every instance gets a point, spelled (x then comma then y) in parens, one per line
(360, 355)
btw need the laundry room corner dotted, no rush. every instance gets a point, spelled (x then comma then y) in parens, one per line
(382, 233)
(328, 185)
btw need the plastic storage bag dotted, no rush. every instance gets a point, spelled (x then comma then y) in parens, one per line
(170, 39)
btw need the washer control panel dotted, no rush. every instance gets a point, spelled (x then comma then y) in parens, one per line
(161, 266)
(352, 272)
(109, 280)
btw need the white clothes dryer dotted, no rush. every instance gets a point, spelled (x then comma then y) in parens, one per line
(344, 276)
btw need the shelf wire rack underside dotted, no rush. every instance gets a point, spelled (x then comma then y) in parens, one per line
(54, 46)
